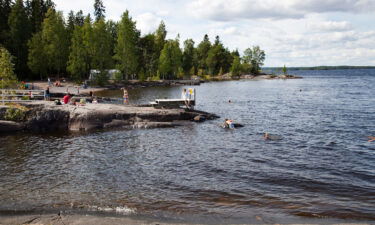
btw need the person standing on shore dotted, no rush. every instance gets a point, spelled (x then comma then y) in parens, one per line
(126, 96)
(47, 94)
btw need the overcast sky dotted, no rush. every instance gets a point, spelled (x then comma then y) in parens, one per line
(292, 32)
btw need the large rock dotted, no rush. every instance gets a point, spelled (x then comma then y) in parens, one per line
(199, 118)
(45, 116)
(47, 119)
(10, 126)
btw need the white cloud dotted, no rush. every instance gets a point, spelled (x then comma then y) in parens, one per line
(147, 22)
(223, 10)
(292, 32)
(331, 26)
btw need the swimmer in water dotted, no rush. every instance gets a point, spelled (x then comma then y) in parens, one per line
(371, 139)
(228, 124)
(271, 137)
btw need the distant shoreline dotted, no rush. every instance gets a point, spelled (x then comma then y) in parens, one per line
(321, 68)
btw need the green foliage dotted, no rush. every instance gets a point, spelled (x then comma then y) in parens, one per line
(189, 56)
(7, 76)
(170, 59)
(218, 57)
(149, 55)
(236, 66)
(285, 70)
(142, 76)
(101, 46)
(101, 78)
(192, 71)
(5, 8)
(126, 49)
(55, 41)
(118, 77)
(254, 56)
(99, 10)
(80, 57)
(160, 35)
(37, 56)
(19, 33)
(15, 113)
(157, 77)
(202, 52)
(43, 43)
(247, 68)
(200, 72)
(221, 72)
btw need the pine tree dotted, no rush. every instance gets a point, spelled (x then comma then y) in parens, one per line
(99, 10)
(7, 76)
(188, 56)
(36, 14)
(79, 19)
(160, 35)
(37, 56)
(101, 46)
(202, 52)
(126, 49)
(5, 9)
(80, 58)
(170, 59)
(112, 28)
(19, 35)
(236, 66)
(149, 55)
(55, 40)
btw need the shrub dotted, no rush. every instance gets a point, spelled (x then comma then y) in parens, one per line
(101, 79)
(15, 113)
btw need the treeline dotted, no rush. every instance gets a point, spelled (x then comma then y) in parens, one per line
(44, 43)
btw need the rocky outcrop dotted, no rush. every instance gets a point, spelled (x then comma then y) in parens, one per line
(10, 126)
(45, 116)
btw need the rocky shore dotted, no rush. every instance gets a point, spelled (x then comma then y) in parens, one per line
(43, 116)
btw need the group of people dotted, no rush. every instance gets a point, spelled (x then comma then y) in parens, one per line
(67, 99)
(187, 96)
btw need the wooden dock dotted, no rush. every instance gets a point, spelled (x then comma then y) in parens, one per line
(189, 101)
(172, 103)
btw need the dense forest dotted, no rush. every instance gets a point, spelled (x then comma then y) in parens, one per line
(39, 42)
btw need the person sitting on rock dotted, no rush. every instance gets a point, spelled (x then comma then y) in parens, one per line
(57, 102)
(66, 98)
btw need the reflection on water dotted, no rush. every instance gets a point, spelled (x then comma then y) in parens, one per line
(321, 167)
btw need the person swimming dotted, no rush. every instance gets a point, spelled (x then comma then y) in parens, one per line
(271, 137)
(228, 124)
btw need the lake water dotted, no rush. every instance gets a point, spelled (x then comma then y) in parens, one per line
(321, 167)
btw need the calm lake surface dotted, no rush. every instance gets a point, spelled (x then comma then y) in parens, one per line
(321, 168)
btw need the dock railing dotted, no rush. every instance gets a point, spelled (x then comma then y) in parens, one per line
(18, 95)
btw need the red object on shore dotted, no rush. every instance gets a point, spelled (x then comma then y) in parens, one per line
(66, 99)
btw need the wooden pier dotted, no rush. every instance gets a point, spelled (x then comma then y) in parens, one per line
(188, 101)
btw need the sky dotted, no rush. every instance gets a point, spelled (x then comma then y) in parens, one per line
(291, 32)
